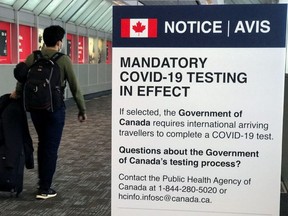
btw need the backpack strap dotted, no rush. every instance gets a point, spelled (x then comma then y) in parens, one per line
(37, 55)
(56, 56)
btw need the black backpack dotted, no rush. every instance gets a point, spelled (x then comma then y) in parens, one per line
(42, 89)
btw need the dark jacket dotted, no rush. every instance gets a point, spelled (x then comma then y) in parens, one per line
(14, 132)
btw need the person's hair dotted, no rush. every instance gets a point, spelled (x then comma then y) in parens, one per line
(52, 35)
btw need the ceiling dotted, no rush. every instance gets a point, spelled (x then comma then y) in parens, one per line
(97, 14)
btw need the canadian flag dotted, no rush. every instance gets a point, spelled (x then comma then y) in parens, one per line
(139, 28)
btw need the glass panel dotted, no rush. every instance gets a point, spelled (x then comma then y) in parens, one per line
(79, 12)
(95, 13)
(88, 18)
(75, 6)
(59, 10)
(52, 6)
(107, 27)
(31, 5)
(88, 12)
(66, 10)
(105, 16)
(8, 2)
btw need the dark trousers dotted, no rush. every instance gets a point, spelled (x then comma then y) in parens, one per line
(49, 127)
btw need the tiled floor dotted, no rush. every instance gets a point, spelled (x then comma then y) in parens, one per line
(83, 176)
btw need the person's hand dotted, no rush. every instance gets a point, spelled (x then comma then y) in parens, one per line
(13, 95)
(82, 117)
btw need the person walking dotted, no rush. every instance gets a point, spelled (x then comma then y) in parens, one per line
(49, 125)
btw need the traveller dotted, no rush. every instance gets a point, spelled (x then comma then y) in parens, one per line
(49, 125)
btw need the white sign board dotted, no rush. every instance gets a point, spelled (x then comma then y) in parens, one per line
(197, 110)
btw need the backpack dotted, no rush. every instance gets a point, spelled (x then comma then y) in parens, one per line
(42, 89)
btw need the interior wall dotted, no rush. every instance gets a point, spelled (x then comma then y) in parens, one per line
(93, 78)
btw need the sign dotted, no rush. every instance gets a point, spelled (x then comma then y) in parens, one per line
(81, 49)
(70, 47)
(197, 110)
(5, 44)
(25, 35)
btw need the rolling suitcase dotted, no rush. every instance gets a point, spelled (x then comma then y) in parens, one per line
(12, 158)
(11, 178)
